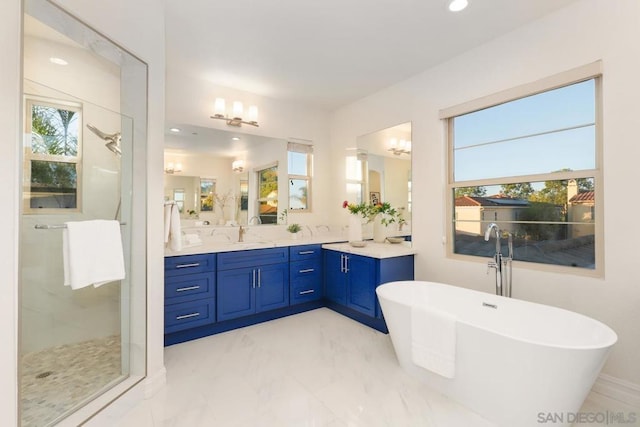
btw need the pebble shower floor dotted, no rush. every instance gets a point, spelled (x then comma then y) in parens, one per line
(55, 380)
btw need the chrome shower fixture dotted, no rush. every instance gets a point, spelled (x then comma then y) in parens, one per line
(113, 139)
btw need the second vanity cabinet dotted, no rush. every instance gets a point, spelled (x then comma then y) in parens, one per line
(351, 280)
(251, 282)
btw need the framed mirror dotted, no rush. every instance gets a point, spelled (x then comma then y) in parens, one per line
(379, 171)
(226, 177)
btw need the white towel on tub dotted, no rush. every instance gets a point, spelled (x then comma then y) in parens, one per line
(433, 340)
(92, 253)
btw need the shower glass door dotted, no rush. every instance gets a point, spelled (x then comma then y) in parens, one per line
(81, 146)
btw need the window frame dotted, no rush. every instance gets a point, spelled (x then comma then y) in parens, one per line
(29, 156)
(591, 71)
(307, 149)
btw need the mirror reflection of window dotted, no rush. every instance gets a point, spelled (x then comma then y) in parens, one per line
(357, 177)
(178, 196)
(207, 190)
(300, 160)
(244, 195)
(268, 195)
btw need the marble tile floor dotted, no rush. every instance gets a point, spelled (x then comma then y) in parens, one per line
(55, 380)
(315, 369)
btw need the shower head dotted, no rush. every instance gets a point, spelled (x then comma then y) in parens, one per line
(113, 140)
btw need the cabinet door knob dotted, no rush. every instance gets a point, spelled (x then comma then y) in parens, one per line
(259, 279)
(305, 252)
(307, 270)
(253, 283)
(310, 291)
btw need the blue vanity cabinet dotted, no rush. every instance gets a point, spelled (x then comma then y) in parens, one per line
(350, 283)
(335, 279)
(190, 291)
(252, 281)
(305, 273)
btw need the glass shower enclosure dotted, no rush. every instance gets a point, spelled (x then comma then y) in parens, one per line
(83, 159)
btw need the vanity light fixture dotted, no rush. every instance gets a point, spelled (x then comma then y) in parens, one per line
(235, 119)
(399, 147)
(171, 168)
(237, 166)
(458, 5)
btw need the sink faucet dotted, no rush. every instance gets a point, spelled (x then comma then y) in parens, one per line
(500, 264)
(241, 232)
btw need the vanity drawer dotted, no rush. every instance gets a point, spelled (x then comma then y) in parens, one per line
(179, 289)
(304, 290)
(301, 252)
(189, 264)
(252, 258)
(305, 269)
(178, 317)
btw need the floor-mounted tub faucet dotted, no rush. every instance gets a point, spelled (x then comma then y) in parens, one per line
(501, 265)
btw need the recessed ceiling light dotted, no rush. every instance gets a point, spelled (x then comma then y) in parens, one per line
(176, 130)
(58, 61)
(235, 138)
(458, 5)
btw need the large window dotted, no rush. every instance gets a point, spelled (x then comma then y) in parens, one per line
(52, 156)
(530, 165)
(300, 163)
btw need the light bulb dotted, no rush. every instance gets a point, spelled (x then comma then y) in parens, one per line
(253, 113)
(237, 109)
(219, 107)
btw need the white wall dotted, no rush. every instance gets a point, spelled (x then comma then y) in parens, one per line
(10, 99)
(583, 32)
(149, 46)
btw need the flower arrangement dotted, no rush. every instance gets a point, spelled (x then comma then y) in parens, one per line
(389, 213)
(361, 209)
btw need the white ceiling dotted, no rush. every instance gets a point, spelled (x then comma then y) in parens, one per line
(332, 52)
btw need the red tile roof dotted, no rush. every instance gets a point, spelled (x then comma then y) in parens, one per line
(497, 200)
(583, 197)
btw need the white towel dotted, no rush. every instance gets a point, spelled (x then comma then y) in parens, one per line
(172, 229)
(433, 340)
(167, 221)
(92, 253)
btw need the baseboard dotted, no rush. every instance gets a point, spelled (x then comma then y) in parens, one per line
(155, 382)
(617, 389)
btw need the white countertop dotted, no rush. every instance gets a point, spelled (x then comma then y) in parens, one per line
(374, 250)
(208, 247)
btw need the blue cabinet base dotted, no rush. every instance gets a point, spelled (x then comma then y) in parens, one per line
(372, 322)
(219, 327)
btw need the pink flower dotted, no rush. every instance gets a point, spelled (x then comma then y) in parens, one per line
(345, 204)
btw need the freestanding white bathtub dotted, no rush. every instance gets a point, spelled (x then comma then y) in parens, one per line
(517, 363)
